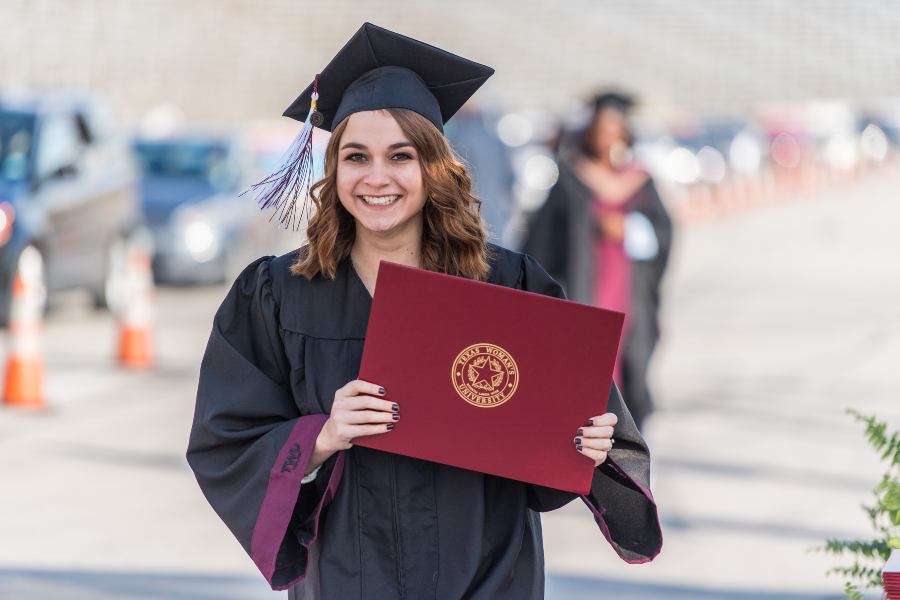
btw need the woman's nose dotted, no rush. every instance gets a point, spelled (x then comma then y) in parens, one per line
(377, 174)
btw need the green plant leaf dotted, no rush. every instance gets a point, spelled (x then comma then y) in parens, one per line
(852, 592)
(884, 514)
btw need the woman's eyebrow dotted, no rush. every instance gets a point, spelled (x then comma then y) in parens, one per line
(359, 146)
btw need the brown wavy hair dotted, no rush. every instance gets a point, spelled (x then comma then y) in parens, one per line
(453, 234)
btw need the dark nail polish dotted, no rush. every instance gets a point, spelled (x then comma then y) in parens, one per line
(578, 448)
(581, 432)
(381, 391)
(396, 417)
(395, 407)
(390, 426)
(577, 441)
(590, 423)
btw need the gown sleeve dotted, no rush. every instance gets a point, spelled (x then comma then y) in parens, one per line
(620, 497)
(249, 445)
(547, 234)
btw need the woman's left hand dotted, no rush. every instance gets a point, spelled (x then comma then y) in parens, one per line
(594, 439)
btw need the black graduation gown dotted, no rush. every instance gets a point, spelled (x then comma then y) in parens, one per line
(561, 236)
(372, 524)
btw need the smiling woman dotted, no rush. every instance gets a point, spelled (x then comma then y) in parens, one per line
(280, 406)
(378, 166)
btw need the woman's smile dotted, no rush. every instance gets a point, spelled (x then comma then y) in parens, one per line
(382, 201)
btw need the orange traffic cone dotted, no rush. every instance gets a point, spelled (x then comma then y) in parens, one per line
(136, 314)
(23, 385)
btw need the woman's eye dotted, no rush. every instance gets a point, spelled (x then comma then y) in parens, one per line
(355, 157)
(402, 156)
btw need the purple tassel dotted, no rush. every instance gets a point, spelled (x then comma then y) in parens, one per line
(290, 184)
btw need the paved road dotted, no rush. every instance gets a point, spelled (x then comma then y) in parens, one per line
(776, 321)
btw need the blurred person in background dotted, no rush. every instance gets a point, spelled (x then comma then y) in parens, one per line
(604, 233)
(279, 405)
(473, 136)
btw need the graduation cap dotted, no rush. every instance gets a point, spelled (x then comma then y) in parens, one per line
(615, 100)
(375, 69)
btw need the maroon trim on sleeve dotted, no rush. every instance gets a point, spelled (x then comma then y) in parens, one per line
(599, 517)
(283, 491)
(327, 497)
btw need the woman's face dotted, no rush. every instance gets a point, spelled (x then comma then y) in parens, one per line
(610, 131)
(379, 177)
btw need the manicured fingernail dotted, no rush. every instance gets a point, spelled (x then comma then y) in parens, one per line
(578, 441)
(381, 391)
(590, 423)
(395, 407)
(390, 426)
(581, 432)
(611, 441)
(578, 448)
(396, 417)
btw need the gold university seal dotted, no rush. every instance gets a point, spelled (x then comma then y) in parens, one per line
(485, 375)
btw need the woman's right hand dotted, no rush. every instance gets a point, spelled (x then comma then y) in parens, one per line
(359, 409)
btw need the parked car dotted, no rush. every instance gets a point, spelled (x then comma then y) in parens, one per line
(190, 195)
(68, 196)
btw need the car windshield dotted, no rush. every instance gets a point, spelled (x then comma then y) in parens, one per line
(191, 160)
(16, 133)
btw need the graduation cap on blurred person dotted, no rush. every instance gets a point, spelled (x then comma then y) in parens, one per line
(616, 100)
(375, 69)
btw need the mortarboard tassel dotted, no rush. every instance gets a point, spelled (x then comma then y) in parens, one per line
(291, 182)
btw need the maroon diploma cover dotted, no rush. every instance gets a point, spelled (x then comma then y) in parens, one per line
(488, 378)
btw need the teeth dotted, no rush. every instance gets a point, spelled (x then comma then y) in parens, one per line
(379, 200)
